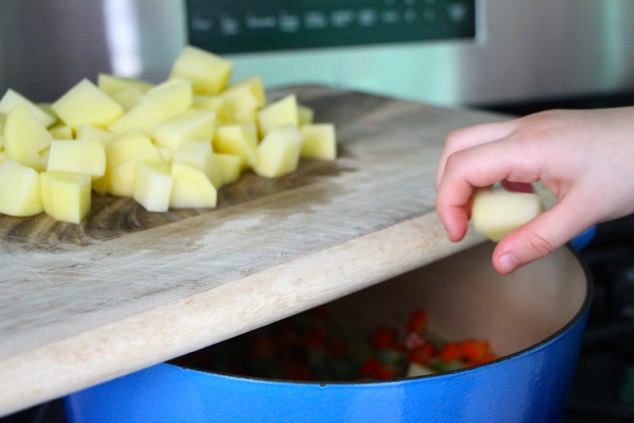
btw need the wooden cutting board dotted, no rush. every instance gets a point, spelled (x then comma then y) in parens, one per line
(82, 304)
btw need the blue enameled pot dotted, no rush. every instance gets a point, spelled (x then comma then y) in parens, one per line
(534, 318)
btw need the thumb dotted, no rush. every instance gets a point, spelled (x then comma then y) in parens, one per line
(540, 236)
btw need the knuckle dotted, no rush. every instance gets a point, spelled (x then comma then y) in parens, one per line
(539, 245)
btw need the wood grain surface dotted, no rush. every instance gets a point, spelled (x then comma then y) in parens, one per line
(125, 289)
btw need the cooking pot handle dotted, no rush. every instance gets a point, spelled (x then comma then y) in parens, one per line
(583, 239)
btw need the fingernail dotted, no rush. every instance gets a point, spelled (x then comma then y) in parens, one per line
(508, 263)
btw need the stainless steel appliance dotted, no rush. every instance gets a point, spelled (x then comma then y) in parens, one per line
(453, 52)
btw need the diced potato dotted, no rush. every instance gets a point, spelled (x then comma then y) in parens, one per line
(122, 154)
(229, 167)
(3, 119)
(245, 94)
(208, 72)
(61, 132)
(127, 146)
(198, 154)
(12, 98)
(25, 138)
(280, 113)
(166, 154)
(319, 141)
(153, 186)
(20, 194)
(278, 153)
(415, 370)
(111, 84)
(79, 156)
(85, 103)
(305, 115)
(128, 97)
(65, 196)
(158, 104)
(496, 212)
(238, 116)
(89, 132)
(193, 125)
(241, 140)
(208, 102)
(191, 188)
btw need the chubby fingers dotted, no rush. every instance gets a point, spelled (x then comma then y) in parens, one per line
(540, 236)
(465, 138)
(479, 166)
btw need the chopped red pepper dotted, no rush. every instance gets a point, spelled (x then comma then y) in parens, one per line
(422, 354)
(370, 367)
(473, 350)
(417, 322)
(449, 352)
(385, 373)
(384, 337)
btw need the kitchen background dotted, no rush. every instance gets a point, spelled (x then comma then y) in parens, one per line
(509, 56)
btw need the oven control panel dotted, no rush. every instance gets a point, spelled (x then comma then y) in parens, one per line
(273, 25)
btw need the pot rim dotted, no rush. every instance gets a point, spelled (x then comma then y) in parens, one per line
(555, 336)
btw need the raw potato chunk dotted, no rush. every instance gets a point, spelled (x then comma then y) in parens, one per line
(229, 167)
(161, 102)
(305, 115)
(246, 94)
(128, 97)
(20, 194)
(199, 154)
(192, 124)
(122, 154)
(415, 370)
(12, 98)
(280, 113)
(496, 212)
(208, 102)
(65, 196)
(208, 72)
(111, 84)
(191, 188)
(278, 153)
(61, 132)
(3, 119)
(89, 132)
(319, 141)
(153, 186)
(25, 138)
(241, 140)
(79, 156)
(86, 104)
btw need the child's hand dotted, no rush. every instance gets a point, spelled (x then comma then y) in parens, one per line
(585, 158)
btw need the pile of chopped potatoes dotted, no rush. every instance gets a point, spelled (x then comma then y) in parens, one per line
(168, 145)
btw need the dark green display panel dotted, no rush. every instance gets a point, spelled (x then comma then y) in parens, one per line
(234, 26)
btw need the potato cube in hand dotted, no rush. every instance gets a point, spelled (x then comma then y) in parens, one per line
(497, 212)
